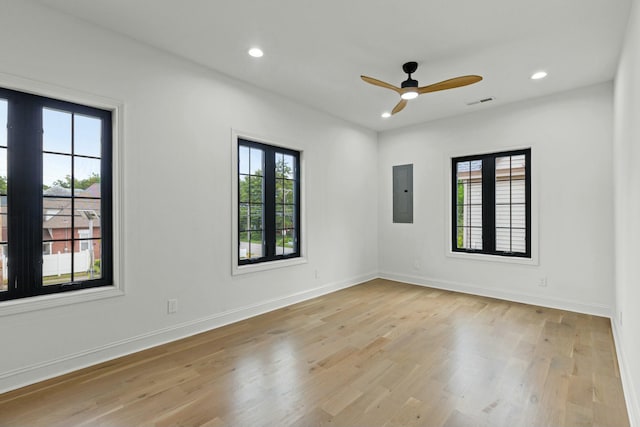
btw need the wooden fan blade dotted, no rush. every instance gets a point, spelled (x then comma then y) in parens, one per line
(380, 83)
(399, 106)
(450, 84)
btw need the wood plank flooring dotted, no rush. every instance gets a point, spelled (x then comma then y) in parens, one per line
(379, 354)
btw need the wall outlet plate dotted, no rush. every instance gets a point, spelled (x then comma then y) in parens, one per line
(172, 306)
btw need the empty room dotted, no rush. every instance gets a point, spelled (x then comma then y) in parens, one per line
(341, 213)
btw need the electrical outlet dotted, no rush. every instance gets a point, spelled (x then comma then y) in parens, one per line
(542, 282)
(316, 273)
(620, 316)
(172, 306)
(416, 264)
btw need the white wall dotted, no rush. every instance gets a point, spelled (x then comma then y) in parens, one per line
(177, 148)
(627, 212)
(570, 137)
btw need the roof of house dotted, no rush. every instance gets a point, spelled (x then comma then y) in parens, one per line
(57, 207)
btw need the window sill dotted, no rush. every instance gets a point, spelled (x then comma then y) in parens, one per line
(24, 305)
(493, 258)
(270, 265)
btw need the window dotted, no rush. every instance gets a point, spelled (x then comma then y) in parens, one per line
(491, 204)
(56, 196)
(268, 203)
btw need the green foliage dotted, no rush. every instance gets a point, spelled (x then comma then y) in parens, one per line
(79, 184)
(251, 194)
(3, 185)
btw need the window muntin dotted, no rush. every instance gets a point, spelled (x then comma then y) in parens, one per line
(268, 202)
(491, 204)
(69, 193)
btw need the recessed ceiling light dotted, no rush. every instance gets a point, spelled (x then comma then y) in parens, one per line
(386, 115)
(539, 75)
(256, 52)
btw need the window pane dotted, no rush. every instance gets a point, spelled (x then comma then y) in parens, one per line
(475, 193)
(285, 242)
(243, 197)
(503, 239)
(503, 216)
(503, 164)
(243, 243)
(463, 170)
(3, 122)
(243, 221)
(87, 173)
(469, 238)
(289, 241)
(279, 217)
(460, 216)
(56, 218)
(518, 241)
(256, 161)
(289, 216)
(518, 191)
(255, 189)
(87, 135)
(86, 260)
(4, 273)
(243, 160)
(503, 192)
(279, 191)
(475, 215)
(56, 268)
(56, 126)
(279, 165)
(88, 215)
(476, 238)
(289, 191)
(256, 217)
(518, 165)
(288, 166)
(518, 216)
(256, 244)
(56, 171)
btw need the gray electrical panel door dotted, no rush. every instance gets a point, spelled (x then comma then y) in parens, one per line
(403, 194)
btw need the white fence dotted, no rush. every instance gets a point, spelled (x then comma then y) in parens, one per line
(60, 263)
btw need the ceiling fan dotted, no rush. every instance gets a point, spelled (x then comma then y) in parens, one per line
(409, 88)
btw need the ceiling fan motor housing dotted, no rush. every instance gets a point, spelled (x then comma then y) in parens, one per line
(409, 67)
(409, 83)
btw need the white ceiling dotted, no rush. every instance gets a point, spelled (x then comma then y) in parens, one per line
(315, 51)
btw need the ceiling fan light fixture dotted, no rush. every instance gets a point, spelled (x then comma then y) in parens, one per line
(539, 75)
(385, 115)
(410, 94)
(256, 52)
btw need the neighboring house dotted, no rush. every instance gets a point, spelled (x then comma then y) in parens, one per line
(68, 226)
(63, 229)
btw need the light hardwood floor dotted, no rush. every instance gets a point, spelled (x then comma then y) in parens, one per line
(378, 354)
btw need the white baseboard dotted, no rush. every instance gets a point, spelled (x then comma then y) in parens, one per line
(11, 380)
(630, 397)
(467, 288)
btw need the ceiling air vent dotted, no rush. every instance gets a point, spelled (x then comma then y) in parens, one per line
(481, 101)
